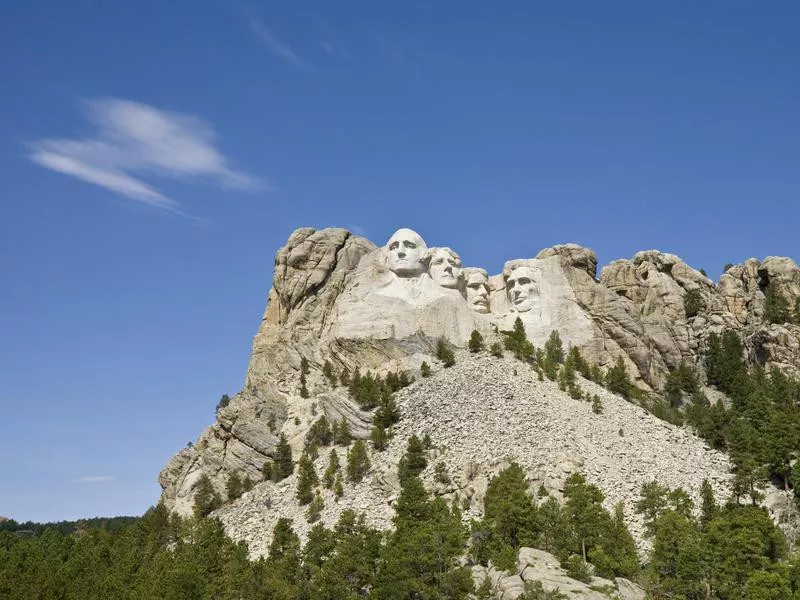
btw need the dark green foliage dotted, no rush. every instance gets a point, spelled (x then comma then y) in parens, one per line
(575, 362)
(516, 341)
(329, 373)
(284, 463)
(725, 366)
(234, 486)
(496, 350)
(475, 343)
(708, 503)
(315, 508)
(419, 559)
(414, 460)
(379, 438)
(338, 488)
(344, 377)
(797, 311)
(732, 549)
(761, 430)
(206, 498)
(444, 353)
(341, 433)
(388, 413)
(693, 303)
(425, 369)
(329, 477)
(320, 432)
(776, 307)
(269, 471)
(306, 480)
(553, 349)
(357, 462)
(370, 390)
(303, 387)
(679, 381)
(223, 402)
(727, 266)
(617, 381)
(579, 569)
(597, 405)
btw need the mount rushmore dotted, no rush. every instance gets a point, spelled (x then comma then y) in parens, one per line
(336, 297)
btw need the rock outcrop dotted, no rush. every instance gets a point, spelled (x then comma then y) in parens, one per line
(337, 297)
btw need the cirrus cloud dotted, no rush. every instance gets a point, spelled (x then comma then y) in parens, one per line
(134, 140)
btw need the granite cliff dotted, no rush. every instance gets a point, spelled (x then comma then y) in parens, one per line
(338, 298)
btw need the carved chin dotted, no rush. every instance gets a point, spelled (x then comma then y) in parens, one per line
(448, 282)
(523, 305)
(406, 270)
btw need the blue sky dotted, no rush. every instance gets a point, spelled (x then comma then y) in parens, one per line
(155, 155)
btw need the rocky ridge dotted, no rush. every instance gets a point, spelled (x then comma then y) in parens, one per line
(481, 414)
(337, 297)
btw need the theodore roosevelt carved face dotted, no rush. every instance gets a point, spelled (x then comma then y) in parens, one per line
(478, 290)
(521, 288)
(445, 267)
(406, 253)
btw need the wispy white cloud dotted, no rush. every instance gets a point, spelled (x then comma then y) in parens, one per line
(94, 479)
(273, 44)
(132, 140)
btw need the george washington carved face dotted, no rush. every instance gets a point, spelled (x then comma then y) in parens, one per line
(406, 253)
(445, 267)
(521, 288)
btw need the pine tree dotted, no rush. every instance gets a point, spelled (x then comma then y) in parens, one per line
(617, 380)
(338, 488)
(315, 508)
(496, 350)
(329, 373)
(516, 341)
(776, 307)
(425, 369)
(388, 413)
(444, 353)
(357, 462)
(303, 388)
(223, 402)
(379, 438)
(708, 506)
(329, 477)
(475, 343)
(206, 498)
(341, 433)
(234, 486)
(597, 405)
(284, 463)
(414, 460)
(306, 480)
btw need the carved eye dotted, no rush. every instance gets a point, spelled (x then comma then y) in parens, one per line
(523, 281)
(393, 246)
(410, 245)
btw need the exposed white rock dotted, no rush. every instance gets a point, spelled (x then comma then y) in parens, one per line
(337, 297)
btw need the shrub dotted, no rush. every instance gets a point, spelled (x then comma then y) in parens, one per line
(776, 307)
(425, 369)
(496, 350)
(444, 353)
(357, 462)
(693, 303)
(475, 343)
(234, 487)
(223, 402)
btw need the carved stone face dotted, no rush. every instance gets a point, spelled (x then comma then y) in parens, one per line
(478, 291)
(406, 250)
(445, 267)
(521, 288)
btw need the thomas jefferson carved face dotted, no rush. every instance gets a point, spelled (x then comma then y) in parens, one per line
(478, 291)
(521, 288)
(406, 253)
(445, 267)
